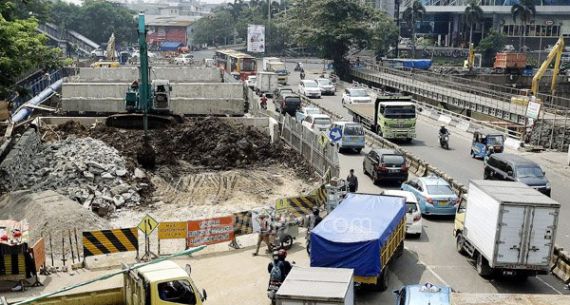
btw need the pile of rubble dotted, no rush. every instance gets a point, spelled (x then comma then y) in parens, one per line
(88, 171)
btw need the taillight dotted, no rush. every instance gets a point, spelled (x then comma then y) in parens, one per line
(404, 167)
(417, 217)
(429, 200)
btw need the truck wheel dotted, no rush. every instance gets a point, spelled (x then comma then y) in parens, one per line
(483, 268)
(486, 175)
(358, 150)
(382, 280)
(459, 242)
(287, 242)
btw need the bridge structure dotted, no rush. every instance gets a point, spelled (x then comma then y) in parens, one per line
(67, 38)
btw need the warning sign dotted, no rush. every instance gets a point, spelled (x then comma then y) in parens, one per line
(172, 230)
(147, 224)
(210, 231)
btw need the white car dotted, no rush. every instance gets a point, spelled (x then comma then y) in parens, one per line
(317, 122)
(356, 96)
(413, 213)
(250, 81)
(326, 86)
(184, 59)
(305, 111)
(309, 88)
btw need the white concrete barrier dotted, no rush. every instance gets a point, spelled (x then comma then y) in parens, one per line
(173, 74)
(463, 126)
(512, 143)
(444, 119)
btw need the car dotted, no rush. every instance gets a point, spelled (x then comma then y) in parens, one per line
(385, 165)
(356, 96)
(304, 112)
(413, 213)
(309, 88)
(435, 196)
(250, 81)
(282, 90)
(184, 59)
(511, 167)
(326, 86)
(287, 104)
(317, 122)
(423, 294)
(352, 136)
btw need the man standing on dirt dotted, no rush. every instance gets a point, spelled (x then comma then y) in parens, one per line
(352, 182)
(264, 232)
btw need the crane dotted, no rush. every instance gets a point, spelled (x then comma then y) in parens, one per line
(555, 54)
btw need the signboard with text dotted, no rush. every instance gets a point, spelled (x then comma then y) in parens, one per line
(172, 230)
(256, 38)
(210, 231)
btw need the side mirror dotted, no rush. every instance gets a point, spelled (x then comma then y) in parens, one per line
(396, 292)
(204, 295)
(188, 269)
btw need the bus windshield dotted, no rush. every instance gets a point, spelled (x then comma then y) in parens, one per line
(248, 64)
(400, 112)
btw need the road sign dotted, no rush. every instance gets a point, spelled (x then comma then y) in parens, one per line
(533, 110)
(323, 139)
(147, 224)
(335, 134)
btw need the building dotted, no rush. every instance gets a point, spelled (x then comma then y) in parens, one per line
(387, 6)
(445, 22)
(168, 33)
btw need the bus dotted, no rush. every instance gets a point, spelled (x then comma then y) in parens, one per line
(236, 63)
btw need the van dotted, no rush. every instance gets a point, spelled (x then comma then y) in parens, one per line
(352, 136)
(510, 167)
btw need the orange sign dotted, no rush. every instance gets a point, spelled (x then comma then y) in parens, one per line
(172, 230)
(210, 231)
(39, 253)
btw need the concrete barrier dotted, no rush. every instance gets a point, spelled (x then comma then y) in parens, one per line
(444, 119)
(512, 143)
(188, 74)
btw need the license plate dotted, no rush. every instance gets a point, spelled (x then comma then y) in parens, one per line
(442, 203)
(393, 170)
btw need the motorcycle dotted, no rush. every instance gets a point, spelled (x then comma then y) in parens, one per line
(302, 75)
(272, 290)
(444, 140)
(298, 67)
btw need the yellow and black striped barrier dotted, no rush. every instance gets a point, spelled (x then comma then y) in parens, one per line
(110, 241)
(320, 194)
(242, 223)
(298, 206)
(12, 264)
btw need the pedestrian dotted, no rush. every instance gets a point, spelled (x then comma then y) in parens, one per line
(352, 182)
(264, 232)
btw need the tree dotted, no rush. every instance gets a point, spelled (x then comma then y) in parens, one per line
(214, 29)
(412, 13)
(490, 45)
(335, 26)
(21, 49)
(525, 11)
(473, 15)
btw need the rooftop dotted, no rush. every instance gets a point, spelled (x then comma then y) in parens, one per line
(160, 20)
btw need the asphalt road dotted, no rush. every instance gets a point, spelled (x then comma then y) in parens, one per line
(433, 257)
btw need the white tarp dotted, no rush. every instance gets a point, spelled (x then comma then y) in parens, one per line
(256, 38)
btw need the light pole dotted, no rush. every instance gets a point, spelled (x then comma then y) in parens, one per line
(268, 27)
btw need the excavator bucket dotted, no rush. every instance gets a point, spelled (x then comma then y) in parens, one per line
(135, 121)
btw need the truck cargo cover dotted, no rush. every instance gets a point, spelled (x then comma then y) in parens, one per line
(353, 234)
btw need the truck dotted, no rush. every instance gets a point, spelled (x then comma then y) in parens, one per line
(507, 228)
(509, 62)
(332, 286)
(266, 83)
(391, 117)
(371, 237)
(160, 283)
(274, 64)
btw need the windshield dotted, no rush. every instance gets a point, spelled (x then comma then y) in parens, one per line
(393, 159)
(248, 64)
(353, 130)
(440, 189)
(494, 140)
(358, 93)
(529, 172)
(322, 121)
(312, 111)
(400, 112)
(324, 82)
(310, 84)
(292, 100)
(281, 91)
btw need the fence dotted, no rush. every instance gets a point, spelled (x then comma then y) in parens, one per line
(313, 147)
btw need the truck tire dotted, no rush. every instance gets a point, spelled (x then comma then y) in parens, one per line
(382, 280)
(459, 242)
(482, 266)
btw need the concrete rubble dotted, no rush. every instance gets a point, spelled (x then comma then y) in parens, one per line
(86, 170)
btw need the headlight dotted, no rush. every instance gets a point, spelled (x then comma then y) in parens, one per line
(548, 185)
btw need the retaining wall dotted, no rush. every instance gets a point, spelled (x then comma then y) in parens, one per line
(173, 74)
(18, 158)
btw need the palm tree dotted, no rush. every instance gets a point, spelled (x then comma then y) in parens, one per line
(410, 15)
(525, 11)
(473, 15)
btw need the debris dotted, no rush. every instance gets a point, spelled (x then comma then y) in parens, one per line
(139, 174)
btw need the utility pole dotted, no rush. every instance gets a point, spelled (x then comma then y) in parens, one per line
(268, 27)
(397, 19)
(413, 30)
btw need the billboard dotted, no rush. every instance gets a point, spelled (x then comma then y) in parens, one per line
(256, 38)
(210, 231)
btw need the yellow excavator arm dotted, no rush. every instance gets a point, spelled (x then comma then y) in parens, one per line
(555, 54)
(471, 57)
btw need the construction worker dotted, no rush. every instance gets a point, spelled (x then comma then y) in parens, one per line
(352, 182)
(264, 233)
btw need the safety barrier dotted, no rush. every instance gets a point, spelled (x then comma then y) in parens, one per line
(297, 206)
(110, 241)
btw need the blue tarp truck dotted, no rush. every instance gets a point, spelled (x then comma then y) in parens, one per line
(364, 233)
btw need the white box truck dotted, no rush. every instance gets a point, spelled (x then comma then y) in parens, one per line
(274, 64)
(334, 286)
(507, 228)
(266, 83)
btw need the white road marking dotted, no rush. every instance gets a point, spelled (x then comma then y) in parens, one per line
(437, 276)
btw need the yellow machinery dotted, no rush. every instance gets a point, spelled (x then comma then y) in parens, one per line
(555, 54)
(111, 61)
(473, 60)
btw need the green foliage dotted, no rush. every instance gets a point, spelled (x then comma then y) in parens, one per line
(22, 49)
(525, 10)
(96, 20)
(473, 14)
(490, 45)
(19, 9)
(216, 28)
(335, 26)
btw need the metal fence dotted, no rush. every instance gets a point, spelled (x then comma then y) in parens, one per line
(315, 148)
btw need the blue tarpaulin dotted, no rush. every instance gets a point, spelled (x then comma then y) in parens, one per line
(353, 234)
(169, 45)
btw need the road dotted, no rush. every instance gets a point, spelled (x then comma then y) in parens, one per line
(433, 257)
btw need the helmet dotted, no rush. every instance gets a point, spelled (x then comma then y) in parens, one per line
(282, 254)
(442, 126)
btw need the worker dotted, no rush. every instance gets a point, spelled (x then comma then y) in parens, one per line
(315, 219)
(264, 233)
(135, 85)
(279, 261)
(352, 182)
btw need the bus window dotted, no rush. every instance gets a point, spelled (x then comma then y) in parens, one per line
(248, 64)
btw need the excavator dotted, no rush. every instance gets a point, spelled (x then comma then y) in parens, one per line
(146, 102)
(554, 55)
(111, 61)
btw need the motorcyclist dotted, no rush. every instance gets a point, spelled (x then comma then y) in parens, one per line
(443, 130)
(280, 261)
(263, 101)
(302, 74)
